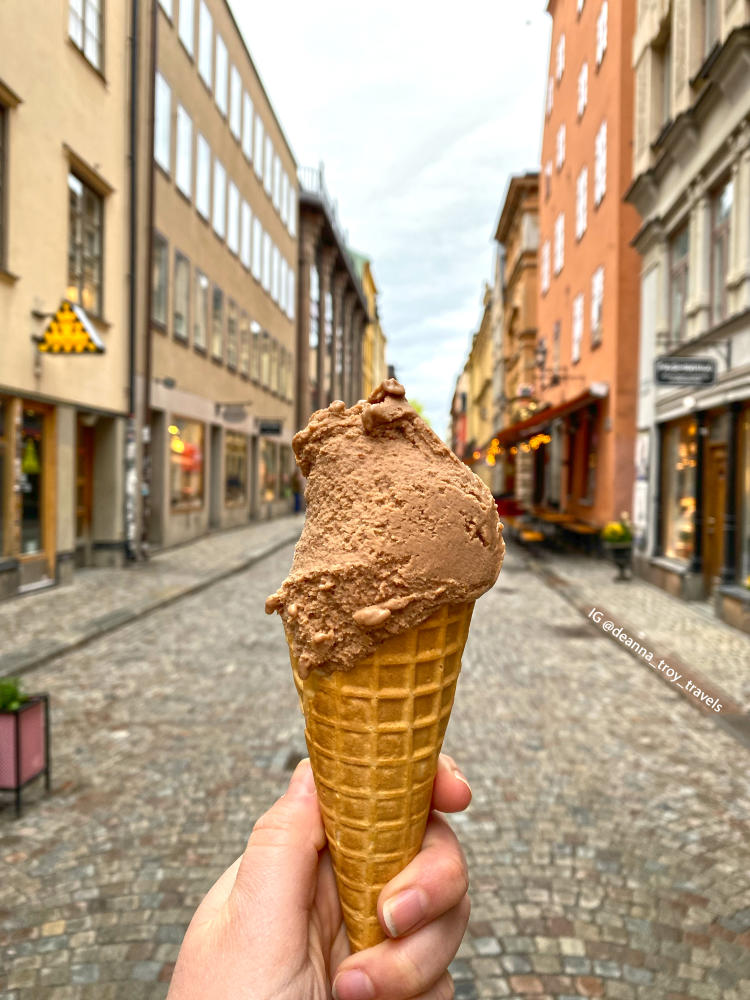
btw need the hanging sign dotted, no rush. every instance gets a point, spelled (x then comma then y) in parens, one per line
(685, 371)
(70, 331)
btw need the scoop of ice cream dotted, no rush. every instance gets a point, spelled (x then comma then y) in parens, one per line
(396, 526)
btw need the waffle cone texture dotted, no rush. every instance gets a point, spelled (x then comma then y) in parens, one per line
(374, 734)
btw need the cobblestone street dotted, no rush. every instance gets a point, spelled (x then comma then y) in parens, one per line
(608, 839)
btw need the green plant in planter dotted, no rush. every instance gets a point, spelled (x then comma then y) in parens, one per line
(617, 533)
(11, 696)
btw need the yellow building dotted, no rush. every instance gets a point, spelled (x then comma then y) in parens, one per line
(479, 369)
(374, 369)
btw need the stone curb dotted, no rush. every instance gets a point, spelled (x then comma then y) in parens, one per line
(731, 719)
(15, 664)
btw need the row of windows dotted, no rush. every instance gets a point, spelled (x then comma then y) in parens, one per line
(235, 104)
(235, 339)
(579, 313)
(602, 31)
(228, 211)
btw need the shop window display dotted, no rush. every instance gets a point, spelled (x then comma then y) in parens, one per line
(235, 468)
(32, 429)
(679, 464)
(185, 463)
(269, 458)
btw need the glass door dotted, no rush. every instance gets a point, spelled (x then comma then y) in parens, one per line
(31, 482)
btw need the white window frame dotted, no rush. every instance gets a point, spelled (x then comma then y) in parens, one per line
(546, 266)
(258, 146)
(266, 275)
(183, 170)
(283, 286)
(235, 102)
(583, 88)
(246, 234)
(186, 25)
(268, 165)
(162, 123)
(219, 214)
(550, 96)
(247, 125)
(597, 305)
(205, 44)
(275, 272)
(290, 295)
(203, 177)
(257, 267)
(285, 197)
(560, 58)
(560, 146)
(292, 209)
(580, 5)
(233, 218)
(582, 199)
(602, 27)
(276, 182)
(166, 6)
(559, 247)
(221, 85)
(600, 164)
(577, 333)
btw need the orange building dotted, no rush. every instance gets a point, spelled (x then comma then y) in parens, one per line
(587, 347)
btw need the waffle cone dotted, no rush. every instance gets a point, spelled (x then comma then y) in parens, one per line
(374, 734)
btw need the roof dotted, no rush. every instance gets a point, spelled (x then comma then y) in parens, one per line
(519, 186)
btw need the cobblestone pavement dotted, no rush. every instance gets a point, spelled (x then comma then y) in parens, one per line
(608, 839)
(669, 625)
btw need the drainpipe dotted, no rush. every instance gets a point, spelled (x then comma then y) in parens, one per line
(131, 472)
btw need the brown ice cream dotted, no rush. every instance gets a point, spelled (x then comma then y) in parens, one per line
(396, 527)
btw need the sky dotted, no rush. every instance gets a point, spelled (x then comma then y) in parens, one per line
(420, 112)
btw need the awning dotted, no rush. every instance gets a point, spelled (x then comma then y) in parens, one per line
(509, 435)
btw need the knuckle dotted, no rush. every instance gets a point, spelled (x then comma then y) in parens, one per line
(410, 976)
(457, 872)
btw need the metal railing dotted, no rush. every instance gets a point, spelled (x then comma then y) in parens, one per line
(312, 180)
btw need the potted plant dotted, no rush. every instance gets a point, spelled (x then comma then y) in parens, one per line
(618, 541)
(24, 738)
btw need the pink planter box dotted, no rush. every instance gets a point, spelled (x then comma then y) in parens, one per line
(24, 751)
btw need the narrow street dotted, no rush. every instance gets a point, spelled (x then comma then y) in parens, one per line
(608, 839)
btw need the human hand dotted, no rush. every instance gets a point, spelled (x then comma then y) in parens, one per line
(271, 926)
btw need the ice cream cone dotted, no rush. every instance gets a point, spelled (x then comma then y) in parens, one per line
(374, 734)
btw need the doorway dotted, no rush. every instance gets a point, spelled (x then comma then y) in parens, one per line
(84, 490)
(36, 498)
(714, 503)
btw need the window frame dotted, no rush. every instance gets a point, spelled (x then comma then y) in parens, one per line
(679, 270)
(163, 123)
(97, 313)
(721, 234)
(163, 253)
(184, 188)
(202, 287)
(179, 259)
(217, 332)
(80, 46)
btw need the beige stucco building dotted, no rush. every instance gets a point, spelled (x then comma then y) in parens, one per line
(479, 409)
(692, 187)
(374, 368)
(63, 236)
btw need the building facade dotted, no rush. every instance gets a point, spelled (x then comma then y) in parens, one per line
(333, 309)
(220, 373)
(459, 416)
(692, 188)
(479, 371)
(64, 352)
(588, 272)
(374, 367)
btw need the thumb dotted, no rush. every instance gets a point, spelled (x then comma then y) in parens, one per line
(277, 876)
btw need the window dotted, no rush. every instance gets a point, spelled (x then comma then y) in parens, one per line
(85, 29)
(600, 164)
(577, 328)
(275, 268)
(269, 455)
(745, 492)
(266, 281)
(580, 5)
(203, 178)
(265, 360)
(246, 221)
(255, 332)
(582, 196)
(560, 59)
(85, 250)
(268, 165)
(235, 107)
(721, 211)
(711, 26)
(290, 296)
(679, 264)
(184, 165)
(285, 197)
(181, 296)
(601, 32)
(257, 248)
(186, 25)
(217, 324)
(292, 211)
(159, 280)
(235, 468)
(679, 467)
(545, 267)
(231, 335)
(200, 313)
(276, 182)
(233, 221)
(556, 338)
(273, 378)
(597, 306)
(221, 82)
(3, 187)
(560, 146)
(166, 6)
(583, 89)
(550, 96)
(244, 345)
(162, 122)
(258, 153)
(664, 63)
(247, 126)
(559, 242)
(547, 180)
(283, 277)
(220, 199)
(185, 463)
(205, 44)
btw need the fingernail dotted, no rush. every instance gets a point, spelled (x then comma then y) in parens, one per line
(404, 911)
(353, 985)
(461, 777)
(302, 781)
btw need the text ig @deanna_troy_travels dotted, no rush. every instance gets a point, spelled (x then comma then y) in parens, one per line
(617, 632)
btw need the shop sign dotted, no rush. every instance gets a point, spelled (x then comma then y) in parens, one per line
(269, 428)
(685, 371)
(234, 414)
(70, 331)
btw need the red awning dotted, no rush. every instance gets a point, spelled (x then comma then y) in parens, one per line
(594, 394)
